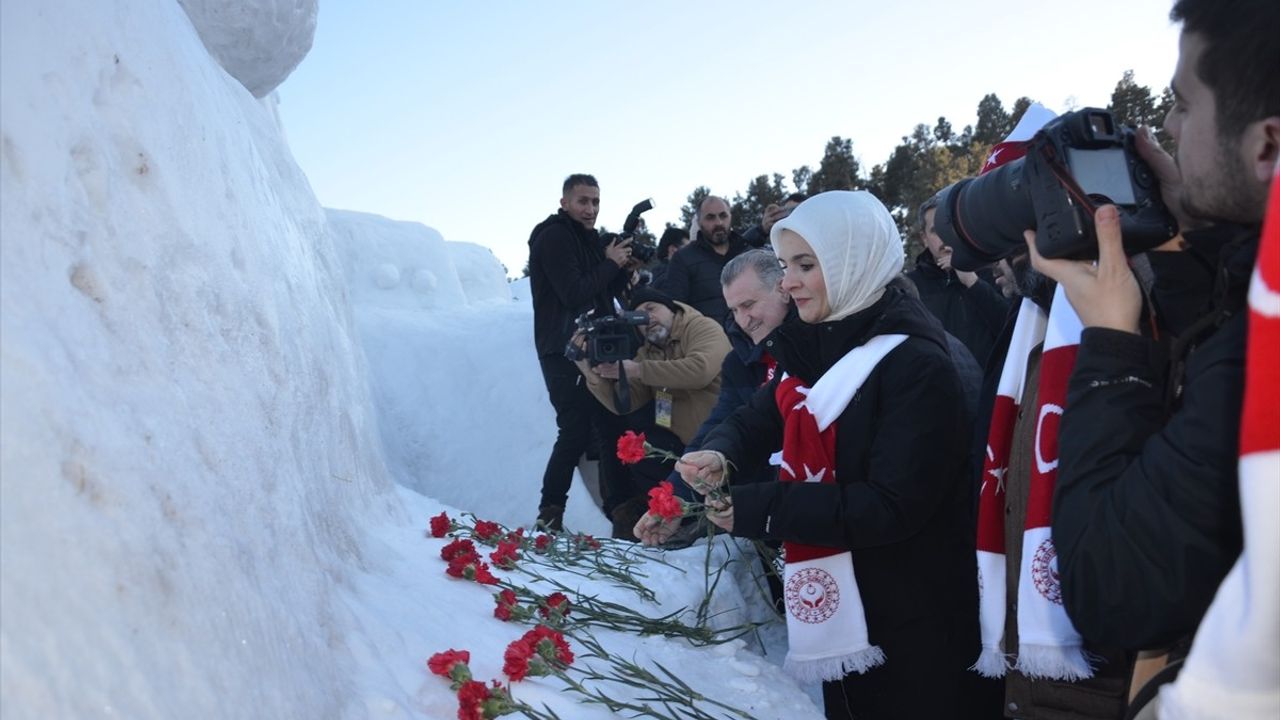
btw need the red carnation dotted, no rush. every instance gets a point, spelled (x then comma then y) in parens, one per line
(456, 548)
(549, 644)
(541, 543)
(555, 607)
(516, 660)
(487, 530)
(663, 503)
(470, 567)
(441, 525)
(631, 448)
(451, 664)
(483, 576)
(471, 698)
(506, 604)
(506, 555)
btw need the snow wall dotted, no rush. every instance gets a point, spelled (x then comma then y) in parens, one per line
(186, 421)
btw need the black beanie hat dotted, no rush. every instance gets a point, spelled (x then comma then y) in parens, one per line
(647, 294)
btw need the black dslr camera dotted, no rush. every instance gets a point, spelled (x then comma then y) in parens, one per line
(639, 250)
(612, 338)
(1076, 163)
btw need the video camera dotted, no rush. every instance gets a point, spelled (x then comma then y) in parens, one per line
(639, 250)
(612, 338)
(1076, 163)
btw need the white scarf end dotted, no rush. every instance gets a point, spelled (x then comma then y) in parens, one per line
(1047, 662)
(833, 668)
(991, 663)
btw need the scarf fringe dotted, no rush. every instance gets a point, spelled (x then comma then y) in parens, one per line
(1049, 662)
(991, 663)
(835, 668)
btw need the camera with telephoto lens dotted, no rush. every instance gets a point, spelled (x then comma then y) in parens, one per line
(611, 338)
(1076, 163)
(641, 251)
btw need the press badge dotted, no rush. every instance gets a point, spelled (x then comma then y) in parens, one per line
(662, 409)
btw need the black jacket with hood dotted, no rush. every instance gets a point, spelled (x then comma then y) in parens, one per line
(568, 275)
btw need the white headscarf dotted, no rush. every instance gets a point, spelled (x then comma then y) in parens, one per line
(856, 242)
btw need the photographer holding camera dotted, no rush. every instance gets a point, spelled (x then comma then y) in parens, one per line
(570, 272)
(1145, 511)
(673, 381)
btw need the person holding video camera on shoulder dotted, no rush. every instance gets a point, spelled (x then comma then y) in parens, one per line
(570, 272)
(672, 382)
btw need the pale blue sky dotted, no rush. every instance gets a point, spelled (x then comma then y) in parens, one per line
(467, 116)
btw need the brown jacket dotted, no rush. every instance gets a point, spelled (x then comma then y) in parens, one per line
(688, 367)
(1105, 695)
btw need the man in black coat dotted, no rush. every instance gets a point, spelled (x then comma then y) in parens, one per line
(569, 274)
(1146, 510)
(968, 307)
(693, 275)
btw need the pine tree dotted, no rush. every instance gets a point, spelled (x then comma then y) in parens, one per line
(993, 122)
(761, 192)
(838, 169)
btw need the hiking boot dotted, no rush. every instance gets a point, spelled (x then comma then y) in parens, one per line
(626, 515)
(550, 518)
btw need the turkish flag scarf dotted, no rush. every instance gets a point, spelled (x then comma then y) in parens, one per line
(1048, 645)
(1233, 670)
(826, 625)
(1028, 332)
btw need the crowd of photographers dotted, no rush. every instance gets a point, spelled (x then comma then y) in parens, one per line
(1006, 482)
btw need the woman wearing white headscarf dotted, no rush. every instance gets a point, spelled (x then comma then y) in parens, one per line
(872, 502)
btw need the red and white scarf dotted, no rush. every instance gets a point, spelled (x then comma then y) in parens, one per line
(1048, 645)
(826, 624)
(1028, 332)
(1233, 670)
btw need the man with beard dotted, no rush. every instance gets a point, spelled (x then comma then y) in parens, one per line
(693, 275)
(672, 383)
(1146, 511)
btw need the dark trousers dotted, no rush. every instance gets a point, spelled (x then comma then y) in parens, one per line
(920, 678)
(576, 410)
(620, 483)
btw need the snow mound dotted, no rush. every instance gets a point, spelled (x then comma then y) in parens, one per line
(395, 264)
(258, 42)
(189, 451)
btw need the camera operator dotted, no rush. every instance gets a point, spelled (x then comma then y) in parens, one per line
(674, 379)
(1146, 516)
(569, 274)
(693, 275)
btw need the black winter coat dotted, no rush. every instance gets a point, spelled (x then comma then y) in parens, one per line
(1146, 511)
(975, 314)
(901, 500)
(693, 275)
(568, 275)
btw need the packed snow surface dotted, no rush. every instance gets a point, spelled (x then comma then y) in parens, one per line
(227, 414)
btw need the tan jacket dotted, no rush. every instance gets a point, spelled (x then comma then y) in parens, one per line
(688, 368)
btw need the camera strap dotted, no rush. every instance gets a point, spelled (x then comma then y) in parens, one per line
(622, 391)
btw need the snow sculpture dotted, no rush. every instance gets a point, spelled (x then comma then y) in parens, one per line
(258, 42)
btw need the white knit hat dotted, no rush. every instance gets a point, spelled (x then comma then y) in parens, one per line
(856, 242)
